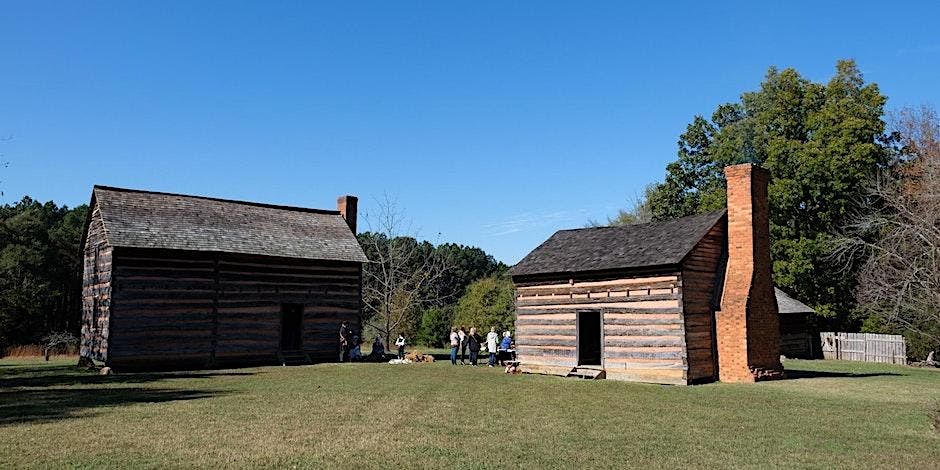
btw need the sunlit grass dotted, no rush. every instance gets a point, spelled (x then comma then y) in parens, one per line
(440, 416)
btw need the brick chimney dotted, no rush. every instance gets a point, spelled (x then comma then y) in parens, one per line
(346, 205)
(747, 326)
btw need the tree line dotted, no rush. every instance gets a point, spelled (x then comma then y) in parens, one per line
(853, 201)
(422, 290)
(40, 287)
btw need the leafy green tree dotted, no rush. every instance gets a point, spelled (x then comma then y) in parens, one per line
(488, 302)
(823, 144)
(435, 326)
(465, 264)
(638, 213)
(39, 270)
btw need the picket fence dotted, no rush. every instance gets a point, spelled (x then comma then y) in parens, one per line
(867, 347)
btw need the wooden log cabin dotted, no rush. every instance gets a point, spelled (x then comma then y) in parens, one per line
(678, 302)
(799, 336)
(173, 281)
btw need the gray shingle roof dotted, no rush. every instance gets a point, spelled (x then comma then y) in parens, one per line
(787, 304)
(143, 219)
(615, 248)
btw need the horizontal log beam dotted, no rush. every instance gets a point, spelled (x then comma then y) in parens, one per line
(523, 341)
(520, 321)
(643, 342)
(577, 289)
(622, 331)
(643, 321)
(568, 301)
(545, 331)
(526, 311)
(536, 351)
(644, 354)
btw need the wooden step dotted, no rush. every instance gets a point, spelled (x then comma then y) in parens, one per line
(294, 358)
(587, 373)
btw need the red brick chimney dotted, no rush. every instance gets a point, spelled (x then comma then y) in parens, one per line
(346, 205)
(747, 326)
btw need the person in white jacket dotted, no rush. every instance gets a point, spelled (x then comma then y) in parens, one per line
(454, 345)
(492, 340)
(400, 342)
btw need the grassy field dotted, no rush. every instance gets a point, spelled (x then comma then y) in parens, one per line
(832, 414)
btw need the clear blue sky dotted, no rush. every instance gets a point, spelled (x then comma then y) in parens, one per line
(492, 123)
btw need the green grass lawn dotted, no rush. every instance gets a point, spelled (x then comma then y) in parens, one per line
(836, 414)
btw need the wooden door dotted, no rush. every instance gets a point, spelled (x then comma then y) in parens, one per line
(291, 326)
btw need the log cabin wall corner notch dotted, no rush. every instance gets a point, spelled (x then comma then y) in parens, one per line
(677, 301)
(172, 281)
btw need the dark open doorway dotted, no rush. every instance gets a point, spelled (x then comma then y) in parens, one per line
(589, 338)
(291, 326)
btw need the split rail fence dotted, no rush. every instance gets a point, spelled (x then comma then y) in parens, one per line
(866, 347)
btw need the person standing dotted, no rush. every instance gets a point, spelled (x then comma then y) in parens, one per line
(463, 344)
(492, 340)
(343, 340)
(454, 345)
(473, 344)
(400, 342)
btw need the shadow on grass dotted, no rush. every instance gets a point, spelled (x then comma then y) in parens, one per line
(63, 375)
(792, 374)
(31, 406)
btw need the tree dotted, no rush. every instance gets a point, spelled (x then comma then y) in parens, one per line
(465, 264)
(398, 282)
(39, 270)
(823, 144)
(436, 323)
(897, 238)
(488, 302)
(638, 213)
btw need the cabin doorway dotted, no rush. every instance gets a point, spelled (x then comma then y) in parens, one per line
(291, 326)
(589, 338)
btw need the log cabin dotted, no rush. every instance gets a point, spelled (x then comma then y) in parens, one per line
(799, 335)
(172, 281)
(684, 301)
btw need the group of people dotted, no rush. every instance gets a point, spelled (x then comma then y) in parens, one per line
(461, 341)
(350, 349)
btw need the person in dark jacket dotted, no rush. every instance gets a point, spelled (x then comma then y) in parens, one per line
(462, 334)
(473, 344)
(344, 341)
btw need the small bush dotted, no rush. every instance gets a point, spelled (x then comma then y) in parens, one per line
(58, 342)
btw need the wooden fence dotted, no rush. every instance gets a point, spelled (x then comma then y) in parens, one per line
(867, 347)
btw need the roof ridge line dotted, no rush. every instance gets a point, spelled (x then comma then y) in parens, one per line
(218, 199)
(659, 222)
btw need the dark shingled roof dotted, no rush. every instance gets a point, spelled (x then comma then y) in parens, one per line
(614, 248)
(143, 219)
(788, 305)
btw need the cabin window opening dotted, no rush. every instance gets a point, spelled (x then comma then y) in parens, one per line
(291, 326)
(589, 338)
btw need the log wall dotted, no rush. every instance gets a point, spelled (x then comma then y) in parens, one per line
(798, 338)
(96, 289)
(642, 325)
(175, 308)
(700, 272)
